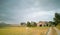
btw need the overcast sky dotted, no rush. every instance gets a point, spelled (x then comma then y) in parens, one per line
(16, 11)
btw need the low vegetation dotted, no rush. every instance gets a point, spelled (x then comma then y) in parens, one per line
(23, 31)
(58, 26)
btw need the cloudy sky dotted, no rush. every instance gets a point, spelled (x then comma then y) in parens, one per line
(16, 11)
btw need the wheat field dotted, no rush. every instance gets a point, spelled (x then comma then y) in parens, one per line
(23, 31)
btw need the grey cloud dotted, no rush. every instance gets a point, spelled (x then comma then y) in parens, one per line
(15, 10)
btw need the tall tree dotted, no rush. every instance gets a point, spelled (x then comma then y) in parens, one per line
(57, 18)
(28, 24)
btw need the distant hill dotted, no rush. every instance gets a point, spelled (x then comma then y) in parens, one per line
(2, 24)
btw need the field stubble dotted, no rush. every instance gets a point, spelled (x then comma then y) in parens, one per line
(23, 31)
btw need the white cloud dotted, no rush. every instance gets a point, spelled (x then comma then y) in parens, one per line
(33, 16)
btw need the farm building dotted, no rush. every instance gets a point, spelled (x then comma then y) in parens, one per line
(42, 23)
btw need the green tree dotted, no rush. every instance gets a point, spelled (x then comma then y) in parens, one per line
(57, 18)
(23, 24)
(33, 24)
(28, 24)
(51, 23)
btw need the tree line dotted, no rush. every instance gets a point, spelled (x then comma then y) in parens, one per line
(29, 24)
